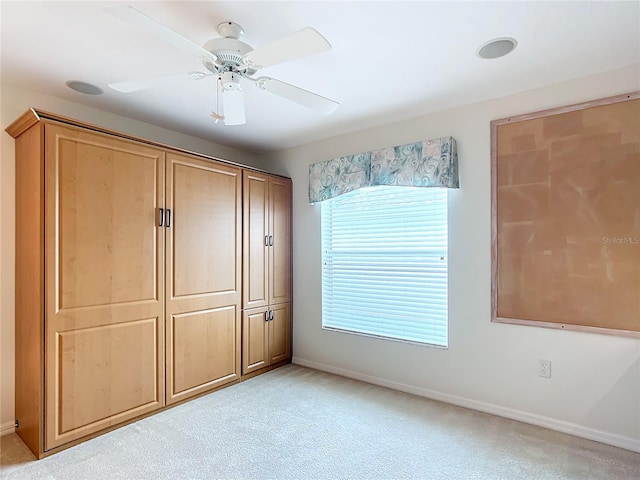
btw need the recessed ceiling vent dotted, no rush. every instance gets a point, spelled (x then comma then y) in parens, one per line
(84, 87)
(496, 48)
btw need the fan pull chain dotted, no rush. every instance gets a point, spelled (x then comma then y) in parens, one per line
(217, 117)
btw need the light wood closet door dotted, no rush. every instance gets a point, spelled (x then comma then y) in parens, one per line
(266, 336)
(280, 333)
(280, 251)
(203, 275)
(255, 339)
(255, 289)
(104, 282)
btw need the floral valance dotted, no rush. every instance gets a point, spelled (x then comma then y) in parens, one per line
(433, 163)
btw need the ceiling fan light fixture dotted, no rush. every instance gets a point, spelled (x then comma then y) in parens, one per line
(233, 105)
(496, 48)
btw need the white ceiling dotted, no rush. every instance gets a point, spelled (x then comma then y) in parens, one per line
(390, 60)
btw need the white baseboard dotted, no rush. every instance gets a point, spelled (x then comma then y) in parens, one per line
(7, 428)
(616, 440)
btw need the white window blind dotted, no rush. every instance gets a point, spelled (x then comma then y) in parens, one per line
(384, 257)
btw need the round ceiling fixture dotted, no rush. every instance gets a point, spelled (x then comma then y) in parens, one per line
(496, 48)
(84, 87)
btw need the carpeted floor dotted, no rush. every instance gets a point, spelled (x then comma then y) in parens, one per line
(299, 423)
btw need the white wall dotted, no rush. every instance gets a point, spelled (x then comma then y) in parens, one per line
(14, 102)
(595, 386)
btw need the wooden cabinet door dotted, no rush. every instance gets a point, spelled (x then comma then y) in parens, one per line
(255, 339)
(280, 333)
(203, 238)
(265, 340)
(104, 275)
(255, 290)
(280, 251)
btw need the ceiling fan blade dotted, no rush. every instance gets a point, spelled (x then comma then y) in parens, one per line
(233, 104)
(297, 45)
(147, 83)
(136, 18)
(298, 95)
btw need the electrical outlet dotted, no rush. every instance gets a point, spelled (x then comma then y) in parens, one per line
(544, 368)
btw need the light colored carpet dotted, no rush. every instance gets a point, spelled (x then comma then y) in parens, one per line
(299, 423)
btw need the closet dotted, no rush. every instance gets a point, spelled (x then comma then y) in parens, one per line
(203, 275)
(129, 277)
(266, 318)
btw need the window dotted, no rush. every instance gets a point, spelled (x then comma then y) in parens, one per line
(384, 263)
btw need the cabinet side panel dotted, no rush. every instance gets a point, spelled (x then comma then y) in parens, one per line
(29, 287)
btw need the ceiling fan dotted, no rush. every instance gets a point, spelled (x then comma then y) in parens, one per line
(231, 60)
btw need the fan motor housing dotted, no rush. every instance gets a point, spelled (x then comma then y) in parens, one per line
(228, 49)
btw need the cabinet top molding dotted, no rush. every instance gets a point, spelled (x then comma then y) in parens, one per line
(34, 115)
(23, 123)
